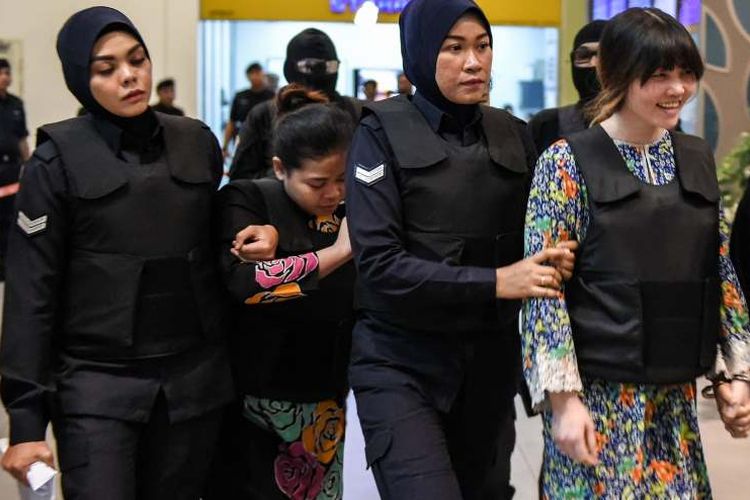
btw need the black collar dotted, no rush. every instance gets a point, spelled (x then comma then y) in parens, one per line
(113, 135)
(439, 120)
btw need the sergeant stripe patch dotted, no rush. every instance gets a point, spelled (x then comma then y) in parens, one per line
(31, 226)
(370, 177)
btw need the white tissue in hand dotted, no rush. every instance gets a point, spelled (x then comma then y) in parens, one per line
(40, 474)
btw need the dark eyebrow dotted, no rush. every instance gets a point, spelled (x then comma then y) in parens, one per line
(112, 58)
(462, 39)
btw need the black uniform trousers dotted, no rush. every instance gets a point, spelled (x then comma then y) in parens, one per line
(106, 458)
(9, 171)
(420, 450)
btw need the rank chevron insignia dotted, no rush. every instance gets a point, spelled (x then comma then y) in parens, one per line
(369, 177)
(31, 226)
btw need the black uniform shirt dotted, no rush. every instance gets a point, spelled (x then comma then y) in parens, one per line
(246, 100)
(545, 128)
(194, 382)
(549, 125)
(12, 127)
(448, 127)
(170, 110)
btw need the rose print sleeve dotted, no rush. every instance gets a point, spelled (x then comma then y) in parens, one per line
(557, 211)
(241, 205)
(733, 355)
(281, 279)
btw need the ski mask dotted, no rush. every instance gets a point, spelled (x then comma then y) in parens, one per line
(424, 25)
(75, 43)
(311, 60)
(585, 79)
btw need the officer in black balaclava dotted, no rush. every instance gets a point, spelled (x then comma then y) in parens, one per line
(113, 317)
(549, 125)
(436, 189)
(311, 60)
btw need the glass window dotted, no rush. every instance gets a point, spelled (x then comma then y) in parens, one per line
(710, 121)
(716, 51)
(742, 10)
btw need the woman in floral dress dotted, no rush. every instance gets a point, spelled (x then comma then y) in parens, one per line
(294, 313)
(614, 436)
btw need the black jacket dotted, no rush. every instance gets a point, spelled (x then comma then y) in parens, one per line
(292, 333)
(100, 271)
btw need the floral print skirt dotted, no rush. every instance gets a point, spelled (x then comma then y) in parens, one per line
(648, 442)
(309, 455)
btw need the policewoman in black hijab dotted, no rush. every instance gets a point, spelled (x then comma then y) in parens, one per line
(436, 196)
(113, 311)
(312, 61)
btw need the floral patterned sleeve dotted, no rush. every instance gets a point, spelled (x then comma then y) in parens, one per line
(281, 279)
(241, 205)
(557, 211)
(733, 355)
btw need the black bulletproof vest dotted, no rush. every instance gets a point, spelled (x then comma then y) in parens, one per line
(296, 350)
(462, 205)
(644, 299)
(141, 278)
(570, 120)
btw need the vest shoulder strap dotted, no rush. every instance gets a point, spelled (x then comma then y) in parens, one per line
(95, 171)
(696, 167)
(412, 140)
(602, 166)
(608, 179)
(91, 167)
(416, 145)
(293, 235)
(504, 141)
(191, 149)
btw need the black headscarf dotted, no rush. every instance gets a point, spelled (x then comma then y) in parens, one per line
(584, 79)
(311, 44)
(75, 43)
(424, 25)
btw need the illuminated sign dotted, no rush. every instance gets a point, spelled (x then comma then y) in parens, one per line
(507, 12)
(687, 11)
(385, 6)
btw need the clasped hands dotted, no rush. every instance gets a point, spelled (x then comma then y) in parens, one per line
(255, 243)
(540, 275)
(733, 402)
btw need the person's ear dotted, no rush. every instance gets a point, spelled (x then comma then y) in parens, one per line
(278, 168)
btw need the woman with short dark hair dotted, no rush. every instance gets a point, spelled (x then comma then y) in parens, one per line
(654, 301)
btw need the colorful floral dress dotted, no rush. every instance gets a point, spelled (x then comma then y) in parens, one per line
(309, 464)
(647, 435)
